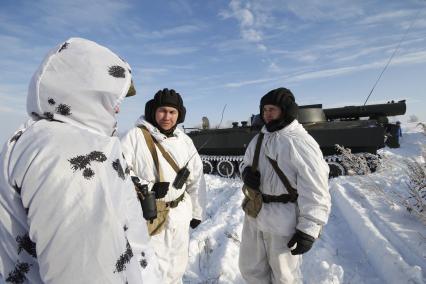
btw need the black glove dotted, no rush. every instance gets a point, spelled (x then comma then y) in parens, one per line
(251, 179)
(160, 189)
(194, 223)
(304, 242)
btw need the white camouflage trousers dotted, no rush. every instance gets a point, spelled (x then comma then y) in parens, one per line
(265, 258)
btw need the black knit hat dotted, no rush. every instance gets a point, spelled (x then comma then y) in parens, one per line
(283, 98)
(165, 97)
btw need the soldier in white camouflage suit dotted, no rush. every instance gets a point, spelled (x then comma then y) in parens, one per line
(69, 211)
(267, 252)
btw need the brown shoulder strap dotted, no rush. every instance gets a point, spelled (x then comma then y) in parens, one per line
(150, 143)
(292, 191)
(257, 152)
(167, 156)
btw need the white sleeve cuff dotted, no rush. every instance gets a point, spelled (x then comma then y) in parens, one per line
(309, 227)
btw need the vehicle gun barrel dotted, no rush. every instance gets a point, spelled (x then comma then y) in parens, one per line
(389, 109)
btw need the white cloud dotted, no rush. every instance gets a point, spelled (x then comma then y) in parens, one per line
(364, 52)
(250, 82)
(262, 47)
(246, 18)
(13, 98)
(409, 58)
(7, 109)
(17, 46)
(182, 6)
(105, 12)
(251, 35)
(151, 71)
(234, 44)
(173, 31)
(318, 10)
(273, 67)
(164, 50)
(305, 56)
(393, 16)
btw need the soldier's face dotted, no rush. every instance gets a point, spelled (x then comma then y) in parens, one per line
(166, 117)
(271, 112)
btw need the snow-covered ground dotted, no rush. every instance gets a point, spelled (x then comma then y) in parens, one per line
(370, 237)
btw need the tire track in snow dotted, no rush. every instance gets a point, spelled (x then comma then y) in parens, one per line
(409, 253)
(215, 243)
(385, 258)
(337, 256)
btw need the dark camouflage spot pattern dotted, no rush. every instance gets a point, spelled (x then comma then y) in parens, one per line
(82, 162)
(51, 101)
(64, 46)
(79, 162)
(63, 109)
(17, 276)
(97, 156)
(117, 167)
(48, 115)
(16, 136)
(117, 71)
(143, 263)
(17, 188)
(124, 258)
(88, 173)
(25, 243)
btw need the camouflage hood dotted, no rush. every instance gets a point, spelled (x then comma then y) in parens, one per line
(79, 82)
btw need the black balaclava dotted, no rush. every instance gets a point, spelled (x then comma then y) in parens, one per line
(284, 99)
(168, 98)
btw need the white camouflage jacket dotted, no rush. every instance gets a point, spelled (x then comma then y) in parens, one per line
(300, 158)
(181, 149)
(69, 212)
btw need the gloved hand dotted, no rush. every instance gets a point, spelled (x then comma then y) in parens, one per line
(160, 189)
(304, 242)
(251, 179)
(194, 223)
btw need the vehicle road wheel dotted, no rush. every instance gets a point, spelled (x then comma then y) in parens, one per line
(207, 167)
(336, 169)
(225, 169)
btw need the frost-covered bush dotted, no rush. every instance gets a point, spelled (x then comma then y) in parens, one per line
(416, 172)
(423, 126)
(413, 118)
(354, 164)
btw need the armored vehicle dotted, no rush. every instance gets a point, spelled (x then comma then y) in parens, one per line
(362, 129)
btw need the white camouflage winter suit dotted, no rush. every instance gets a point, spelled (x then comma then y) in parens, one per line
(171, 245)
(69, 212)
(264, 255)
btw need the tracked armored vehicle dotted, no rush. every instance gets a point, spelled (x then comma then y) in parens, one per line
(363, 129)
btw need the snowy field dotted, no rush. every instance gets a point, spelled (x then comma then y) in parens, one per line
(370, 237)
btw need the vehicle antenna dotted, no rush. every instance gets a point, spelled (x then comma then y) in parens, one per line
(393, 54)
(183, 173)
(207, 141)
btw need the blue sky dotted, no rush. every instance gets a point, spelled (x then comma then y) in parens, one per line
(227, 52)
